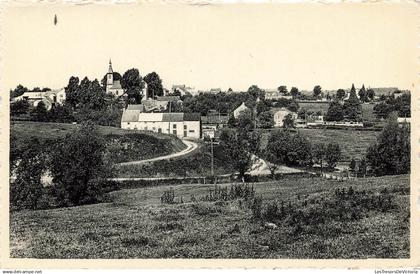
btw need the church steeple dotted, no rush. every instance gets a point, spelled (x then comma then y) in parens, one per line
(110, 75)
(110, 66)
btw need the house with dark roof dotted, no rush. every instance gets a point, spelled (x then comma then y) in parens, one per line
(182, 125)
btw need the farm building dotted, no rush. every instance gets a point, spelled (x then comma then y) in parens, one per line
(183, 125)
(280, 114)
(49, 97)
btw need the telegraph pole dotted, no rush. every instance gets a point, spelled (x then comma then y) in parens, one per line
(212, 157)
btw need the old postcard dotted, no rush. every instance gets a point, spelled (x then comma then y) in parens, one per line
(209, 134)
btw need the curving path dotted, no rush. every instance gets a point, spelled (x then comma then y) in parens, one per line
(191, 146)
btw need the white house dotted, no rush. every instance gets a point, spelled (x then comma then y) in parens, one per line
(280, 114)
(239, 109)
(274, 94)
(49, 97)
(183, 125)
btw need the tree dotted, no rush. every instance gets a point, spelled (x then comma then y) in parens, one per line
(293, 106)
(19, 107)
(245, 120)
(382, 110)
(18, 91)
(332, 155)
(266, 119)
(262, 106)
(362, 168)
(352, 108)
(340, 94)
(255, 92)
(390, 154)
(91, 95)
(132, 84)
(294, 91)
(319, 154)
(335, 112)
(362, 94)
(61, 114)
(236, 147)
(72, 92)
(317, 91)
(77, 164)
(288, 121)
(282, 90)
(287, 148)
(39, 113)
(26, 191)
(370, 93)
(154, 85)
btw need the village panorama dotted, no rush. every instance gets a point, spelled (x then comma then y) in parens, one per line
(122, 167)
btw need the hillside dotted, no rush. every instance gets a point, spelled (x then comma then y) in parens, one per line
(135, 224)
(125, 145)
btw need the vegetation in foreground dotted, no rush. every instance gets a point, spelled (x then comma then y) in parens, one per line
(298, 218)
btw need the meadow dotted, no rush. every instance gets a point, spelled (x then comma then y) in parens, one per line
(319, 218)
(353, 143)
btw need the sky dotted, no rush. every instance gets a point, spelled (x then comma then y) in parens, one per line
(213, 46)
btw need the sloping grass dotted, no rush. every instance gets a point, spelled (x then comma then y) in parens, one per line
(125, 145)
(353, 143)
(137, 225)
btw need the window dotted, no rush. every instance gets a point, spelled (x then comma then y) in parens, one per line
(174, 126)
(159, 130)
(174, 131)
(191, 131)
(185, 126)
(128, 123)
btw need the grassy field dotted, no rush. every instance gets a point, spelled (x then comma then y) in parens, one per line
(353, 143)
(135, 224)
(125, 145)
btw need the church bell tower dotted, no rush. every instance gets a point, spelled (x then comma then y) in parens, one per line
(110, 75)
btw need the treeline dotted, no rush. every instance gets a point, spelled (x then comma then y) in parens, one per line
(226, 103)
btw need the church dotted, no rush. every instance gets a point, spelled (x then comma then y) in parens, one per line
(113, 82)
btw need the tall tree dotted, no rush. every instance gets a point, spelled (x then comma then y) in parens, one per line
(154, 85)
(332, 155)
(370, 93)
(319, 154)
(133, 85)
(317, 91)
(335, 112)
(362, 94)
(237, 148)
(352, 108)
(390, 154)
(72, 92)
(75, 165)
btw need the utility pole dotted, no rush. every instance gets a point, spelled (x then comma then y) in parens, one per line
(212, 157)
